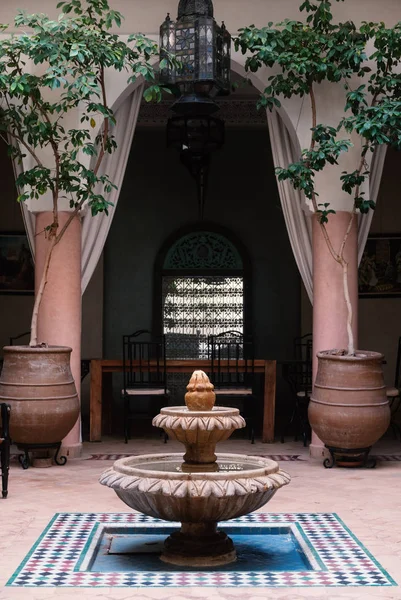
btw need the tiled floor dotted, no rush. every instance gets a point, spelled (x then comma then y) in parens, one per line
(368, 501)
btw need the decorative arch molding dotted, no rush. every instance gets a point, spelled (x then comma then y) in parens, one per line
(118, 90)
(196, 229)
(201, 250)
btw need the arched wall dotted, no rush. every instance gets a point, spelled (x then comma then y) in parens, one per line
(295, 113)
(118, 91)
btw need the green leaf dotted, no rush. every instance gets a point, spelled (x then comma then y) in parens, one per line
(23, 197)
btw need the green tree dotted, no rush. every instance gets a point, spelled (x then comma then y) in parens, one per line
(45, 75)
(304, 55)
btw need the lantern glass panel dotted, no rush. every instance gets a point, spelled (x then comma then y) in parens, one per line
(185, 38)
(167, 46)
(201, 48)
(226, 61)
(185, 50)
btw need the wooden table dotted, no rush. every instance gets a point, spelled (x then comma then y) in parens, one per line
(101, 366)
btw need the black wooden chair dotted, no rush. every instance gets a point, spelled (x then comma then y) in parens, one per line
(394, 394)
(5, 444)
(144, 371)
(232, 362)
(298, 374)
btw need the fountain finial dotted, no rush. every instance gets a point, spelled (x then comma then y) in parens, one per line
(200, 395)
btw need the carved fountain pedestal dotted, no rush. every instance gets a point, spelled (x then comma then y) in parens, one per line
(204, 489)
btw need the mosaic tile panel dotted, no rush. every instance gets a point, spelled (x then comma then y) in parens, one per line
(387, 457)
(55, 559)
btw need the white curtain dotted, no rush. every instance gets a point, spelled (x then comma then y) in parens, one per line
(95, 229)
(292, 201)
(27, 217)
(376, 172)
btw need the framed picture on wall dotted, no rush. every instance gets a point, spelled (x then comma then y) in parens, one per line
(17, 274)
(380, 269)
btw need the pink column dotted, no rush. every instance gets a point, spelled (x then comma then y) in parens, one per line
(59, 321)
(329, 308)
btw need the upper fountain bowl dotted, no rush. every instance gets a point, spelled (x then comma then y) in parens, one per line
(199, 431)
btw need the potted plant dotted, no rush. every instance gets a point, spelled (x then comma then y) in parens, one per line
(348, 408)
(46, 75)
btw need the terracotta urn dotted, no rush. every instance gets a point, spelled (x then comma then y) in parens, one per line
(348, 408)
(200, 395)
(38, 385)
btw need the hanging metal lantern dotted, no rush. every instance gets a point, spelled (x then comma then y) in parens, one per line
(196, 137)
(202, 48)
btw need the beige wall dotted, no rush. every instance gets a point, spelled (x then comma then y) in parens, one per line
(147, 16)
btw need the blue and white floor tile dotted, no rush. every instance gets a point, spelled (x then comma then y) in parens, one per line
(57, 558)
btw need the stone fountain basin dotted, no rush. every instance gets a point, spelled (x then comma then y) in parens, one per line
(155, 485)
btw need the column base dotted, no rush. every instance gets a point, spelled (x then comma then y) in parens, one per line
(72, 450)
(318, 452)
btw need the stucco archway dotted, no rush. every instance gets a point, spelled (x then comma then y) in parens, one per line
(122, 95)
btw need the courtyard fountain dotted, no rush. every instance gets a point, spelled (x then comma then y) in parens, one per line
(200, 489)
